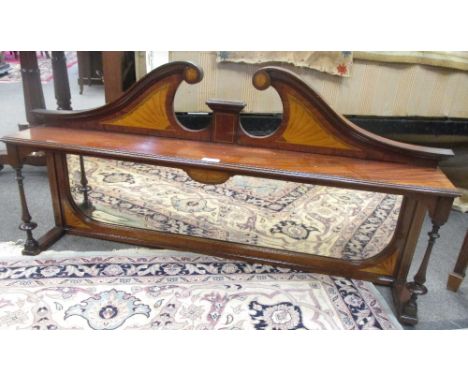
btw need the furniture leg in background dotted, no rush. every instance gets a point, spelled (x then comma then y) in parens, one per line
(86, 205)
(34, 96)
(112, 71)
(63, 97)
(405, 295)
(33, 99)
(3, 159)
(32, 87)
(61, 83)
(119, 73)
(456, 277)
(89, 68)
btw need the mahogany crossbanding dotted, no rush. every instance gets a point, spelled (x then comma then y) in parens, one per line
(313, 144)
(283, 164)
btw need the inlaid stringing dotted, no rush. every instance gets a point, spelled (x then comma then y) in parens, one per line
(313, 145)
(149, 114)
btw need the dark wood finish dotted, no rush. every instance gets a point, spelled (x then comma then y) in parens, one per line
(146, 108)
(61, 83)
(55, 188)
(112, 71)
(35, 159)
(89, 68)
(31, 246)
(312, 145)
(84, 187)
(303, 110)
(417, 287)
(456, 277)
(401, 294)
(331, 133)
(32, 87)
(226, 121)
(3, 159)
(63, 97)
(327, 170)
(33, 99)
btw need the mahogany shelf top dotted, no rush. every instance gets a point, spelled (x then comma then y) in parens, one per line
(236, 159)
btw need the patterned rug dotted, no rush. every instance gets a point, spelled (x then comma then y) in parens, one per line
(44, 63)
(159, 289)
(311, 219)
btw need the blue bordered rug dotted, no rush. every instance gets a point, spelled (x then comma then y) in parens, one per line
(161, 289)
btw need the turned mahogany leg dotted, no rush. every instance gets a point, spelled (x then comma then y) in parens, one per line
(417, 287)
(405, 294)
(456, 277)
(84, 188)
(31, 246)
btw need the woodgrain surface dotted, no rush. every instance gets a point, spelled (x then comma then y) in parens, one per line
(306, 128)
(150, 113)
(333, 170)
(313, 144)
(309, 124)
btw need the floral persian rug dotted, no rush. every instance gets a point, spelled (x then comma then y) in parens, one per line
(311, 219)
(159, 289)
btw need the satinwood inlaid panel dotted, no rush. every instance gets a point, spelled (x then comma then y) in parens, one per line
(304, 127)
(309, 124)
(314, 147)
(151, 113)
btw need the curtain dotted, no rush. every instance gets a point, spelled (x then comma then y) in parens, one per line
(444, 59)
(336, 63)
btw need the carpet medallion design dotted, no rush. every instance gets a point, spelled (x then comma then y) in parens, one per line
(160, 289)
(310, 219)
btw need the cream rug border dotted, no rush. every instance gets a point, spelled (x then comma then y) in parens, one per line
(12, 250)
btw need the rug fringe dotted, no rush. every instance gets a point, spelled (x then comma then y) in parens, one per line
(11, 248)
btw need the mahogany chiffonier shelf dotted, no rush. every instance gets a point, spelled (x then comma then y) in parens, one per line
(312, 145)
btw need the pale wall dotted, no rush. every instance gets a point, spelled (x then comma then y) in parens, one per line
(373, 89)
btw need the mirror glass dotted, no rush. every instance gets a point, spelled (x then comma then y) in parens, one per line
(318, 220)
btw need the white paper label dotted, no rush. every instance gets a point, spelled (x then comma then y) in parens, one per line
(212, 160)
